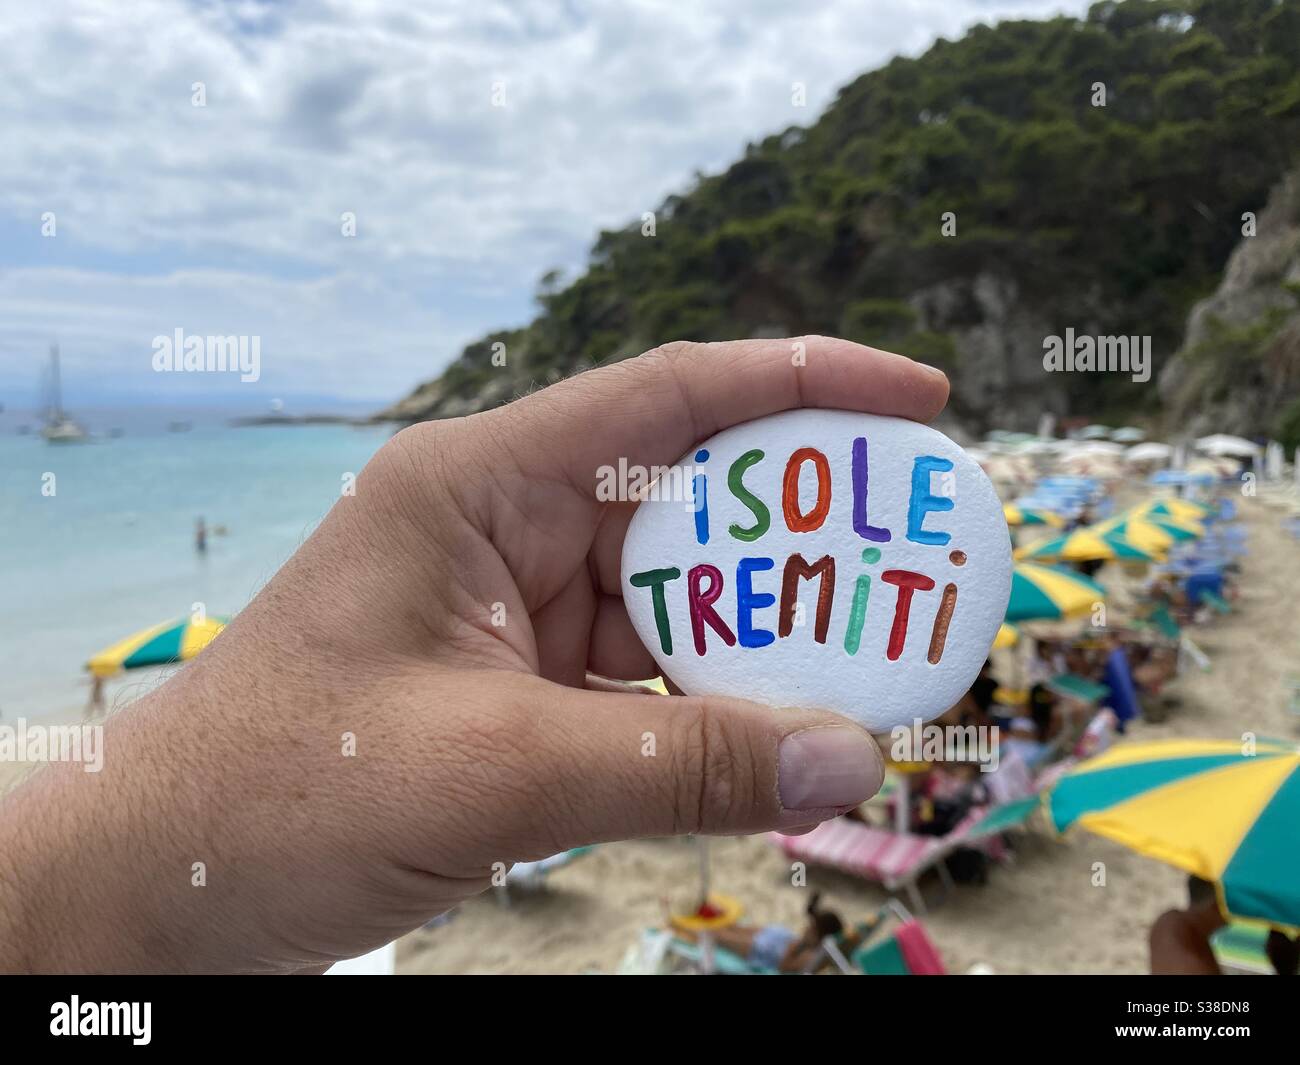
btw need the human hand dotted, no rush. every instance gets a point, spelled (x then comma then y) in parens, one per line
(405, 709)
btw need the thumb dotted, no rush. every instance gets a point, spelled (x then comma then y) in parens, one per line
(609, 766)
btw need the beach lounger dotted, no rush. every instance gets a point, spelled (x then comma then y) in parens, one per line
(898, 860)
(1165, 624)
(1239, 949)
(1079, 689)
(908, 952)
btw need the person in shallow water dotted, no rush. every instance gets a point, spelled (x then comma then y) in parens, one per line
(409, 701)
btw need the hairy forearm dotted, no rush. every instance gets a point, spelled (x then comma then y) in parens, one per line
(87, 861)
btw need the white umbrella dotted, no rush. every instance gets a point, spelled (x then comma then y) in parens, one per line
(1151, 451)
(1224, 444)
(1097, 447)
(1130, 434)
(1216, 467)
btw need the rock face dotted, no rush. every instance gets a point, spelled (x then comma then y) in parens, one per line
(1239, 367)
(997, 376)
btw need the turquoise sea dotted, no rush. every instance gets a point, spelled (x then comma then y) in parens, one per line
(112, 549)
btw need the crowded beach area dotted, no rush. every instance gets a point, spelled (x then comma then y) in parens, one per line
(1155, 610)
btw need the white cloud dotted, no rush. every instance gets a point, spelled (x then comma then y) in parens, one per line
(226, 218)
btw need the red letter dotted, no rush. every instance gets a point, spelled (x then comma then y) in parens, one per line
(907, 582)
(702, 605)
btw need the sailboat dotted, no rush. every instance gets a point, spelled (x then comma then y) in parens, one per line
(59, 427)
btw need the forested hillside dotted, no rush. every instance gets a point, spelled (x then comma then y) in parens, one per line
(1110, 218)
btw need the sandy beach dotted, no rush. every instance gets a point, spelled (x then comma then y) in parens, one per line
(1041, 914)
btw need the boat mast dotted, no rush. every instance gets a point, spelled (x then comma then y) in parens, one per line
(56, 389)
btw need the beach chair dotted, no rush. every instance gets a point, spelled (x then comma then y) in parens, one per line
(899, 860)
(1239, 949)
(908, 952)
(1164, 623)
(896, 860)
(1079, 689)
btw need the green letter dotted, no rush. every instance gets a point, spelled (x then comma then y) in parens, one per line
(735, 481)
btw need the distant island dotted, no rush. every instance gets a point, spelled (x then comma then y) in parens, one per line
(304, 419)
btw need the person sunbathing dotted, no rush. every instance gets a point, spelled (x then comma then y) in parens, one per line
(774, 946)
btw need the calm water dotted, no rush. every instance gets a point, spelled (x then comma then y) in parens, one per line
(112, 551)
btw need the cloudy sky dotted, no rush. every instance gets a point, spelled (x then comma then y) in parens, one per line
(477, 143)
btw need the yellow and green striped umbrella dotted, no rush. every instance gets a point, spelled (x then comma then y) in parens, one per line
(1029, 516)
(1180, 509)
(1144, 535)
(1180, 529)
(1046, 592)
(1090, 544)
(1204, 806)
(172, 641)
(1006, 637)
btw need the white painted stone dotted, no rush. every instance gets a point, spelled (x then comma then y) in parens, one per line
(797, 669)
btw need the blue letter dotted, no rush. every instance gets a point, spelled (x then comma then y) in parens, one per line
(747, 602)
(700, 496)
(922, 502)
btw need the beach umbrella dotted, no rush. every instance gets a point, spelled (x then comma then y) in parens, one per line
(1007, 636)
(1223, 444)
(1212, 469)
(1017, 515)
(1178, 478)
(1151, 451)
(1177, 529)
(172, 641)
(1129, 434)
(1048, 592)
(1090, 544)
(1152, 533)
(1096, 447)
(1094, 432)
(1183, 510)
(1207, 807)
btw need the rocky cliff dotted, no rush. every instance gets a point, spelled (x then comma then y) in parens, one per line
(1239, 368)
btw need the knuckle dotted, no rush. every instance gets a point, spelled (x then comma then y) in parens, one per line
(714, 778)
(671, 351)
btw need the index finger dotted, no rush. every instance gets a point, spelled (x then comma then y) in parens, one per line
(650, 410)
